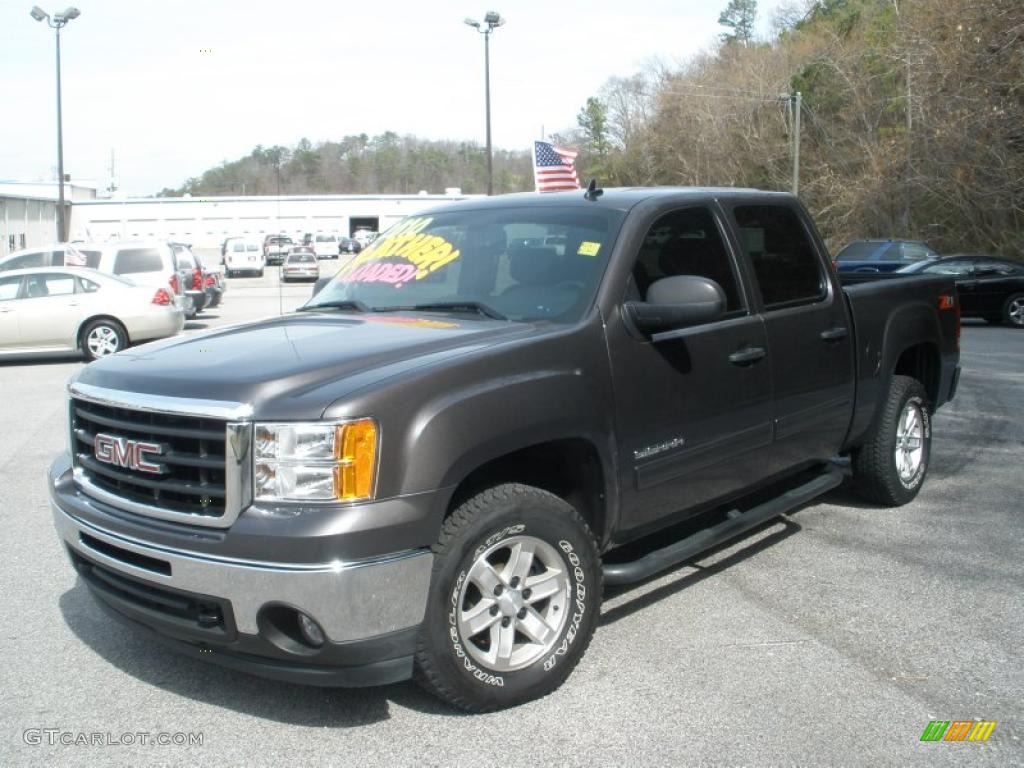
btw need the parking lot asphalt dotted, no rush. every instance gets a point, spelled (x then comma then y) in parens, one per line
(831, 637)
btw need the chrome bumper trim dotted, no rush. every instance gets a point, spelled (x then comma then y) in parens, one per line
(351, 601)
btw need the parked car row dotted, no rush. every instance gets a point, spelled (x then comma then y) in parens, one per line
(51, 310)
(989, 287)
(97, 298)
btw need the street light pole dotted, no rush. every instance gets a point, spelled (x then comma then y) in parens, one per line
(491, 22)
(57, 22)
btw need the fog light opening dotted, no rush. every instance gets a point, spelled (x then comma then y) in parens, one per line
(311, 631)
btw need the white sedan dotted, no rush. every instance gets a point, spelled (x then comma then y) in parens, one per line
(71, 309)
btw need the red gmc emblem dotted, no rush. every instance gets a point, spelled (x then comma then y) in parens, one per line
(130, 454)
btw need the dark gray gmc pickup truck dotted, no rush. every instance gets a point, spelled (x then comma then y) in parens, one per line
(433, 467)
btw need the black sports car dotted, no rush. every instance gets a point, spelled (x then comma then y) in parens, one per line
(989, 287)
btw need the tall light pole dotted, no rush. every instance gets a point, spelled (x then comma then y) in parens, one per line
(56, 22)
(491, 22)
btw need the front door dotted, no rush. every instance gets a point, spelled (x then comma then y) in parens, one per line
(10, 335)
(693, 406)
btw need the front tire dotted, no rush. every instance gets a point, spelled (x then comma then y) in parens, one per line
(103, 337)
(514, 599)
(889, 469)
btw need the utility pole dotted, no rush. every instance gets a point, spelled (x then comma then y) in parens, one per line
(491, 22)
(797, 103)
(909, 168)
(113, 183)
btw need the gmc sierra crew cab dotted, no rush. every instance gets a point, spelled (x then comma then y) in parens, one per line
(433, 467)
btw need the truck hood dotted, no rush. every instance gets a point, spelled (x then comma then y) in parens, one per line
(296, 365)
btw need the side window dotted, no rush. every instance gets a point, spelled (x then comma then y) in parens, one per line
(9, 287)
(133, 260)
(988, 267)
(87, 286)
(914, 252)
(788, 269)
(686, 242)
(39, 286)
(27, 261)
(183, 259)
(954, 267)
(888, 252)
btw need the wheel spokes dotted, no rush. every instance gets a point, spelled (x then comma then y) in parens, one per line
(479, 617)
(519, 562)
(544, 585)
(535, 628)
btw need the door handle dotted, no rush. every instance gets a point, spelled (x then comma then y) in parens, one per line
(834, 334)
(747, 356)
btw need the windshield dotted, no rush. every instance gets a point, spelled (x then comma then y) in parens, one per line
(521, 263)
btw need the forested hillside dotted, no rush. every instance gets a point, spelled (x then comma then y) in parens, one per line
(912, 125)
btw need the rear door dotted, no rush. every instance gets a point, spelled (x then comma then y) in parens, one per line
(693, 405)
(809, 342)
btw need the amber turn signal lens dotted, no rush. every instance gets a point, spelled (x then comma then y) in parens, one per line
(357, 460)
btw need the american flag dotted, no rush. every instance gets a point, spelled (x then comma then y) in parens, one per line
(554, 167)
(74, 257)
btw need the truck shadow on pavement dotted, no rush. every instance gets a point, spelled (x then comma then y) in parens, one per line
(621, 610)
(129, 652)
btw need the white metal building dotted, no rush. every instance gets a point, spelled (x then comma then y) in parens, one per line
(28, 215)
(205, 222)
(28, 212)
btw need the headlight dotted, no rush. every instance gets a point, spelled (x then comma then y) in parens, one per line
(315, 462)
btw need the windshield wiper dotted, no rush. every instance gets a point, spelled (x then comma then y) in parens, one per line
(449, 306)
(358, 306)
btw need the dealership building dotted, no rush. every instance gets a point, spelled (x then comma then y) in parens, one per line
(28, 214)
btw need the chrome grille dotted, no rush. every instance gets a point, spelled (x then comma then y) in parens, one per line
(193, 452)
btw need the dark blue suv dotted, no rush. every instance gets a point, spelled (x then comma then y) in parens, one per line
(881, 255)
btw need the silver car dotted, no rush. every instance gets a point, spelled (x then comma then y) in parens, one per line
(72, 309)
(300, 264)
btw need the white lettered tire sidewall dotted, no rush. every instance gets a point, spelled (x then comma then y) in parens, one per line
(444, 663)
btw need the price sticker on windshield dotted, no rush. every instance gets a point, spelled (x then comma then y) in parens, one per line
(588, 248)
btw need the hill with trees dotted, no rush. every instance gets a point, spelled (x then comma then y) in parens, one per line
(912, 126)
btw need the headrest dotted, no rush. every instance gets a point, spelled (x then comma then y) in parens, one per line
(684, 256)
(534, 265)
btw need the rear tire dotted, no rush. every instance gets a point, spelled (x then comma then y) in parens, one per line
(102, 337)
(1013, 311)
(889, 469)
(514, 598)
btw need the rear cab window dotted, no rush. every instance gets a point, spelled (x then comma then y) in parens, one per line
(786, 265)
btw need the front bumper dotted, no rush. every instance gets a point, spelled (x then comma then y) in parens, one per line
(228, 610)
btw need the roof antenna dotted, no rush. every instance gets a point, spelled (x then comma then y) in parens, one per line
(592, 192)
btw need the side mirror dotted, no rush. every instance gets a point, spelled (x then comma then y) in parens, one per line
(320, 283)
(677, 302)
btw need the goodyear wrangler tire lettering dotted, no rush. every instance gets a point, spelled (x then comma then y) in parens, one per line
(514, 599)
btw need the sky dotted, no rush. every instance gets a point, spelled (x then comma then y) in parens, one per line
(176, 87)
